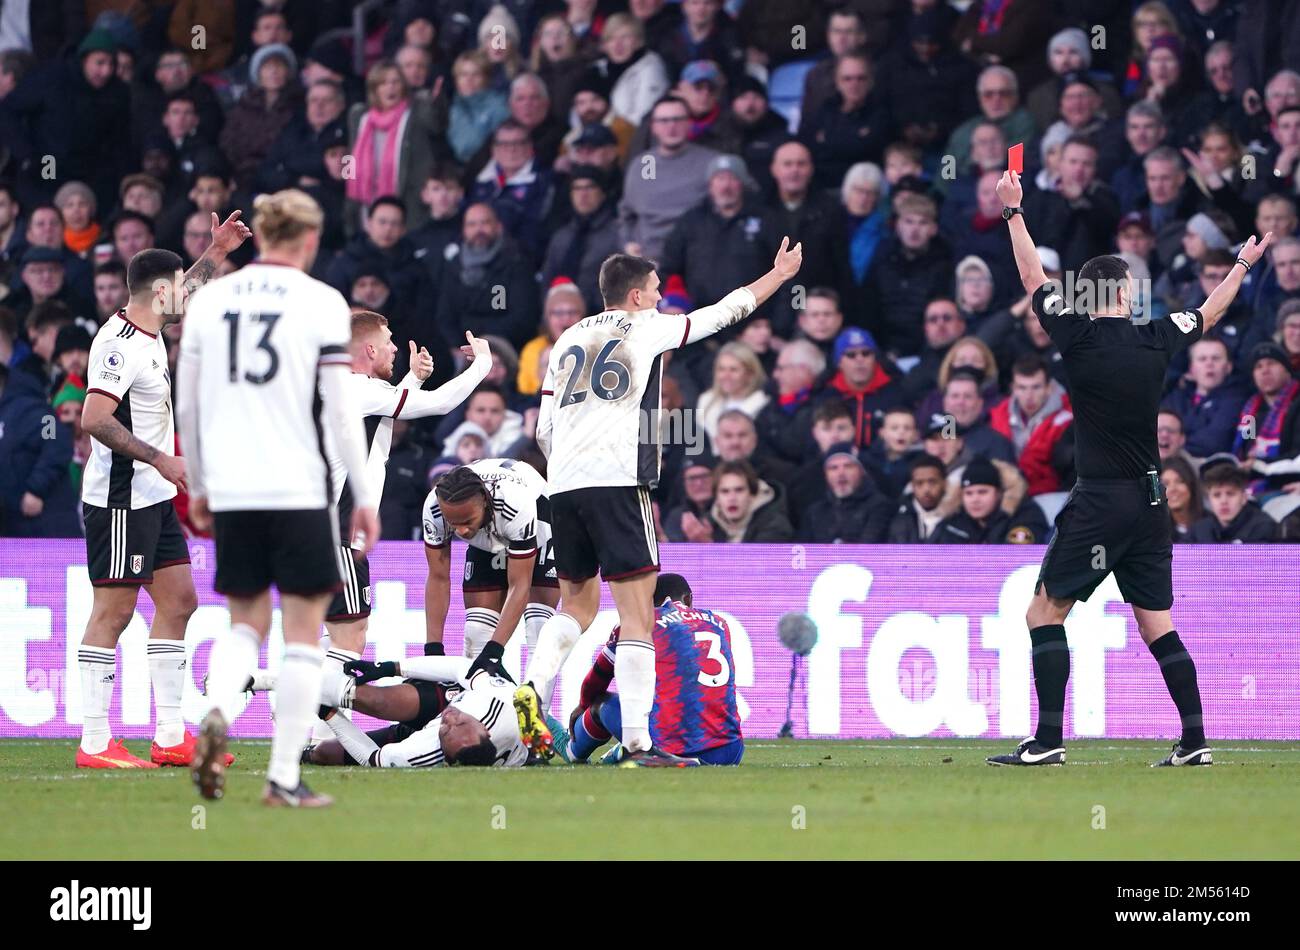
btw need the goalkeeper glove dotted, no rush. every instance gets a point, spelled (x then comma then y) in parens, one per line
(489, 660)
(366, 672)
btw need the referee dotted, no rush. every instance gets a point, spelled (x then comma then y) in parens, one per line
(1115, 519)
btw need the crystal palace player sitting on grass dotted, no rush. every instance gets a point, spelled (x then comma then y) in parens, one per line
(1115, 519)
(602, 383)
(500, 509)
(694, 714)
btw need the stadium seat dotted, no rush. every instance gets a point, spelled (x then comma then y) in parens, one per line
(785, 89)
(1281, 506)
(1051, 502)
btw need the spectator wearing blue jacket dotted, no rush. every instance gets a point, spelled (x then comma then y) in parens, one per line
(36, 495)
(1209, 399)
(516, 185)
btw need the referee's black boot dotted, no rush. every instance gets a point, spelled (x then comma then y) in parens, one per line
(1030, 752)
(1181, 756)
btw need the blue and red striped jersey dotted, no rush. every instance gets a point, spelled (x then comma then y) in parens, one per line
(695, 680)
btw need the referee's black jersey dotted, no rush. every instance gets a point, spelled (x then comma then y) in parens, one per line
(1115, 373)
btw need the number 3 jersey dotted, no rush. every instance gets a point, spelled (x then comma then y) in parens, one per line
(695, 680)
(258, 339)
(129, 365)
(520, 521)
(604, 381)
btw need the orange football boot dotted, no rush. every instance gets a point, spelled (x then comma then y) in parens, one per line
(181, 754)
(116, 756)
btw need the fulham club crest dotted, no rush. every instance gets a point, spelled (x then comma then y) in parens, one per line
(137, 563)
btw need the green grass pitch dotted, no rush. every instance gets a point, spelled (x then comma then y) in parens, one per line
(903, 798)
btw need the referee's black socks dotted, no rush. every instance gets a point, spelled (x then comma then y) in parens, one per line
(1051, 670)
(1180, 677)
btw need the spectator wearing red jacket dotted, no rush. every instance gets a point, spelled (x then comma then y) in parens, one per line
(1034, 417)
(861, 380)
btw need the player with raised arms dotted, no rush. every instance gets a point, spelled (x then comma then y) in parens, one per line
(500, 509)
(603, 377)
(694, 714)
(348, 615)
(1116, 518)
(133, 537)
(264, 367)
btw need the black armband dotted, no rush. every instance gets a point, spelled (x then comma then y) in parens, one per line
(1243, 263)
(434, 649)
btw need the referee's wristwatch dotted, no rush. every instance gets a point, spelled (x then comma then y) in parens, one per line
(1008, 212)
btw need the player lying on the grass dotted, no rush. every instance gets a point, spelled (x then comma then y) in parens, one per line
(476, 724)
(133, 537)
(373, 352)
(694, 714)
(603, 372)
(500, 509)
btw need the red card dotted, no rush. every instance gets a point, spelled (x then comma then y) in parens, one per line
(1016, 158)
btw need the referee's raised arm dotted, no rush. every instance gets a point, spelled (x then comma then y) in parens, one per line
(1221, 297)
(1027, 261)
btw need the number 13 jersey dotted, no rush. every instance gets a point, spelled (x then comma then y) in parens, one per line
(258, 338)
(603, 381)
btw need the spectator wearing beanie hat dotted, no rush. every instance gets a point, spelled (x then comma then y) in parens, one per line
(72, 352)
(853, 510)
(1271, 417)
(67, 405)
(577, 250)
(1068, 51)
(982, 518)
(76, 111)
(750, 121)
(722, 241)
(861, 379)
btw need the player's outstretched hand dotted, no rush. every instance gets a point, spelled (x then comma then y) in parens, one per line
(229, 234)
(172, 468)
(1010, 192)
(1252, 251)
(421, 362)
(489, 659)
(201, 515)
(476, 348)
(363, 671)
(365, 528)
(788, 259)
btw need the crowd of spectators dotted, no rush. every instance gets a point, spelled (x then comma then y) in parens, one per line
(486, 157)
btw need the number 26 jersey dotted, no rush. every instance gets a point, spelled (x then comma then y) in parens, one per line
(258, 339)
(603, 381)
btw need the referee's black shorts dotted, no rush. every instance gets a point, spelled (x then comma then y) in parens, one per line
(294, 550)
(1110, 525)
(609, 529)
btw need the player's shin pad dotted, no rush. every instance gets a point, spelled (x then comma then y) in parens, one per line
(559, 636)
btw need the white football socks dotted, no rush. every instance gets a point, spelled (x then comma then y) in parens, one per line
(98, 667)
(555, 641)
(435, 669)
(333, 683)
(535, 617)
(634, 671)
(234, 657)
(297, 696)
(167, 673)
(355, 742)
(480, 624)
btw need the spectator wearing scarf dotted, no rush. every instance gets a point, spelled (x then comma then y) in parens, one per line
(392, 143)
(1273, 415)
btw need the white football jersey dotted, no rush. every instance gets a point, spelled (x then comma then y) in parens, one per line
(370, 397)
(488, 699)
(129, 365)
(259, 338)
(521, 511)
(600, 397)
